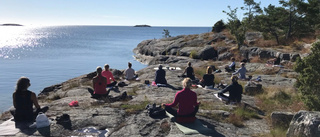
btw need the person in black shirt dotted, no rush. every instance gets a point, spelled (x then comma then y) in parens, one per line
(23, 101)
(160, 77)
(189, 71)
(208, 79)
(235, 91)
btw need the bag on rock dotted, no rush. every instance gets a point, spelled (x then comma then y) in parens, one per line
(42, 120)
(155, 111)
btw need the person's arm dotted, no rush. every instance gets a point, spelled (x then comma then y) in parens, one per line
(185, 70)
(232, 64)
(175, 101)
(35, 100)
(14, 99)
(236, 71)
(225, 89)
(94, 83)
(112, 76)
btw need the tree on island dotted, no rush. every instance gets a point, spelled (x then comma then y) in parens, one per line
(166, 33)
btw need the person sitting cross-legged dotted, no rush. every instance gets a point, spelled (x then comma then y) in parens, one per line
(232, 66)
(235, 92)
(207, 80)
(160, 76)
(129, 73)
(189, 71)
(107, 74)
(188, 104)
(99, 84)
(23, 102)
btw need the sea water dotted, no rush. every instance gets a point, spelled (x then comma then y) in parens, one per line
(53, 54)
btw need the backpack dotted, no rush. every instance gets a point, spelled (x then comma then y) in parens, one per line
(154, 111)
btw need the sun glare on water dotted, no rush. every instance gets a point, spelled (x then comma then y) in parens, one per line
(17, 37)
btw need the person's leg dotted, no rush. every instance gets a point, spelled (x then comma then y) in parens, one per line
(112, 84)
(171, 111)
(223, 97)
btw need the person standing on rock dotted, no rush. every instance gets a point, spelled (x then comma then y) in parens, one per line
(107, 74)
(235, 91)
(187, 100)
(160, 77)
(207, 80)
(189, 71)
(242, 72)
(99, 84)
(130, 73)
(23, 101)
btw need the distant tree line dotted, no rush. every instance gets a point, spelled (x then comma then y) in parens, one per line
(294, 19)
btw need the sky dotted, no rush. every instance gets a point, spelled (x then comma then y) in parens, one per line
(200, 13)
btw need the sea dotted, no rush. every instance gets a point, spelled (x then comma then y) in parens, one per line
(49, 55)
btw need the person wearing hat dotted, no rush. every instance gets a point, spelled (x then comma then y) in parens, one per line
(160, 77)
(242, 71)
(235, 91)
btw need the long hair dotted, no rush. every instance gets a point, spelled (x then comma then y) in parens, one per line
(22, 84)
(209, 70)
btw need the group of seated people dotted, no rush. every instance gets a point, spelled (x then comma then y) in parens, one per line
(103, 80)
(23, 99)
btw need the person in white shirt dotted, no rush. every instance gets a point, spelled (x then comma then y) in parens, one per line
(129, 73)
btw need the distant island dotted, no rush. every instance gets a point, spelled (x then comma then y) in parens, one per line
(142, 26)
(10, 24)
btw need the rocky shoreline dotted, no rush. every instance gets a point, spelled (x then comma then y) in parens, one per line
(128, 117)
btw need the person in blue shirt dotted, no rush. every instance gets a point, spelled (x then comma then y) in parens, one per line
(232, 66)
(241, 71)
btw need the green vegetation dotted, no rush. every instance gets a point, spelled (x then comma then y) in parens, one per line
(218, 26)
(294, 19)
(193, 54)
(135, 108)
(308, 81)
(241, 114)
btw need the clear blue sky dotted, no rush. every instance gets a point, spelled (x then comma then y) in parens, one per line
(118, 12)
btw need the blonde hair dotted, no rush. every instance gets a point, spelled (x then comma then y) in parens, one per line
(234, 78)
(209, 70)
(99, 69)
(187, 83)
(189, 64)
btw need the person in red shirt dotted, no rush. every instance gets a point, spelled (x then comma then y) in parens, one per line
(107, 74)
(99, 84)
(187, 100)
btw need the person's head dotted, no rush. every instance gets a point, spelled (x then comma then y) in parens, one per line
(234, 79)
(129, 64)
(209, 70)
(242, 64)
(160, 66)
(22, 84)
(233, 59)
(106, 67)
(189, 64)
(99, 70)
(187, 83)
